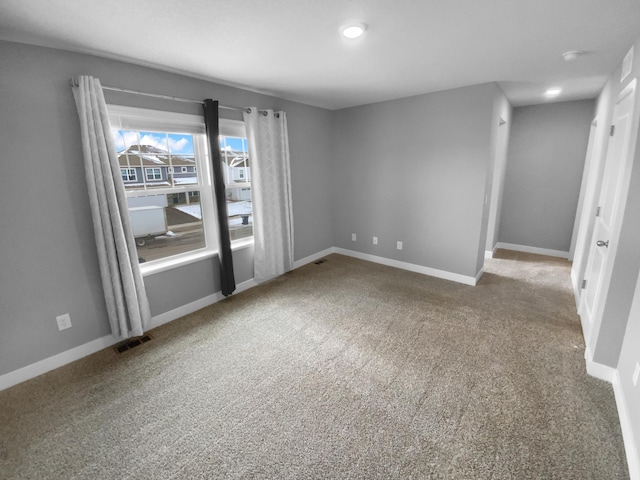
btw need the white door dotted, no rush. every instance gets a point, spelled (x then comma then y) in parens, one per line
(582, 231)
(615, 184)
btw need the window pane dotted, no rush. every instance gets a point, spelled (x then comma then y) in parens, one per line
(155, 159)
(237, 175)
(166, 225)
(180, 144)
(240, 212)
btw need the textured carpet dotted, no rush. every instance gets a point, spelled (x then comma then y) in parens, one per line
(345, 369)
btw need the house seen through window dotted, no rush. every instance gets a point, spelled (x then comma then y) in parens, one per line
(237, 176)
(167, 178)
(164, 201)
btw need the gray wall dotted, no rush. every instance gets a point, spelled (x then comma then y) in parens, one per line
(544, 170)
(414, 170)
(48, 264)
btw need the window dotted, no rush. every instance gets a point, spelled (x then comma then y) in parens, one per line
(128, 174)
(153, 173)
(237, 176)
(171, 214)
(171, 205)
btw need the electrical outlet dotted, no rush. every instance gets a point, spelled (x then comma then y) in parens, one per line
(375, 240)
(353, 237)
(636, 374)
(399, 245)
(64, 321)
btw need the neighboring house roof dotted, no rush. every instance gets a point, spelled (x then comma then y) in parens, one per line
(150, 156)
(235, 159)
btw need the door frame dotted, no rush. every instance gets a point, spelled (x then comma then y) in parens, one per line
(591, 326)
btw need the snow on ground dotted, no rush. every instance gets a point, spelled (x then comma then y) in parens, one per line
(185, 180)
(193, 210)
(233, 209)
(239, 208)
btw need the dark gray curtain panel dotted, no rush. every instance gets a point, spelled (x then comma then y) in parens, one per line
(212, 124)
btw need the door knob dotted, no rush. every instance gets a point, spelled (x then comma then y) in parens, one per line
(602, 243)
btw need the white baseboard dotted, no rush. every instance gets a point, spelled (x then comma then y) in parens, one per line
(611, 375)
(31, 371)
(43, 366)
(598, 370)
(488, 254)
(536, 250)
(630, 446)
(196, 305)
(313, 258)
(433, 272)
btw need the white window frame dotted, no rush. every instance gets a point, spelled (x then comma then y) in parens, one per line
(127, 173)
(137, 119)
(153, 173)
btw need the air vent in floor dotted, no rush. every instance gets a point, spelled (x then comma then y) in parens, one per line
(131, 343)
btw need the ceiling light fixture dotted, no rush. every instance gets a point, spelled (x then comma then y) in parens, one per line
(354, 30)
(553, 92)
(572, 55)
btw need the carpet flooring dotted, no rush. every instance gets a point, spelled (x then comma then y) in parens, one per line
(344, 369)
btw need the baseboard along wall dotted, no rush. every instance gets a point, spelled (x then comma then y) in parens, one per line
(538, 251)
(56, 361)
(433, 272)
(630, 444)
(43, 366)
(594, 369)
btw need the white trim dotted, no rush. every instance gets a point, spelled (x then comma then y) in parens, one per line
(144, 119)
(153, 173)
(196, 305)
(433, 272)
(536, 250)
(313, 257)
(577, 290)
(480, 273)
(633, 457)
(488, 254)
(128, 174)
(43, 366)
(175, 261)
(598, 370)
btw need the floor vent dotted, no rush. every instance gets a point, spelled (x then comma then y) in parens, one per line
(320, 261)
(131, 343)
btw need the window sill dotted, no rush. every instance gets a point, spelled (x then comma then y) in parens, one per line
(186, 259)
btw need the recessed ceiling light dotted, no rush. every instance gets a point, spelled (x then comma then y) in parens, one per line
(572, 55)
(553, 92)
(354, 30)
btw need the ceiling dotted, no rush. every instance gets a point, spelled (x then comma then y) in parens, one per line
(292, 48)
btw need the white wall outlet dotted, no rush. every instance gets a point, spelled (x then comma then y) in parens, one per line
(636, 374)
(353, 237)
(375, 240)
(399, 245)
(64, 321)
